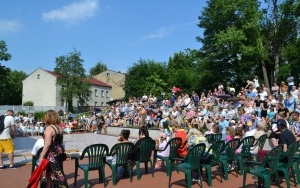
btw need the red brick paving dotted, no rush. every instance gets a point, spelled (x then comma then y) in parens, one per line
(18, 179)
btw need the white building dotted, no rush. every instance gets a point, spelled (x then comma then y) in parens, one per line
(40, 87)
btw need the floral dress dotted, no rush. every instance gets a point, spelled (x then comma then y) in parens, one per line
(55, 157)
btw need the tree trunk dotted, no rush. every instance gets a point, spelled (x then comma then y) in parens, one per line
(266, 80)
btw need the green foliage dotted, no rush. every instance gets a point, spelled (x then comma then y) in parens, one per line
(4, 56)
(28, 103)
(39, 115)
(145, 76)
(14, 91)
(73, 79)
(97, 69)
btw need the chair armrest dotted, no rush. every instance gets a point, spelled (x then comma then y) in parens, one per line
(254, 163)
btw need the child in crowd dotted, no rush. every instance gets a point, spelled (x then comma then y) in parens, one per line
(161, 144)
(230, 133)
(166, 130)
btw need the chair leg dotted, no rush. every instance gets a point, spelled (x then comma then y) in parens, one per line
(146, 167)
(170, 175)
(225, 169)
(200, 176)
(268, 182)
(138, 170)
(244, 178)
(86, 177)
(277, 179)
(76, 171)
(209, 178)
(129, 171)
(152, 168)
(294, 176)
(114, 174)
(287, 177)
(296, 167)
(168, 166)
(188, 176)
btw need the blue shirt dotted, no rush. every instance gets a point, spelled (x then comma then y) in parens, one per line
(223, 125)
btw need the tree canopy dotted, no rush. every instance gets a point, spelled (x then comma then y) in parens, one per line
(98, 68)
(73, 79)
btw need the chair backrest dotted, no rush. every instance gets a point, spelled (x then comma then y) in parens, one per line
(194, 155)
(246, 144)
(96, 154)
(121, 152)
(212, 138)
(272, 159)
(216, 149)
(174, 144)
(230, 148)
(145, 150)
(292, 149)
(260, 142)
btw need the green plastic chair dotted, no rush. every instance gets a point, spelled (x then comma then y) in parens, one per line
(212, 138)
(228, 156)
(260, 170)
(296, 164)
(215, 151)
(189, 163)
(260, 142)
(145, 153)
(287, 164)
(174, 144)
(96, 154)
(121, 152)
(245, 155)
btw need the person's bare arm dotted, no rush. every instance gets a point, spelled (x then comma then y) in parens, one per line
(284, 149)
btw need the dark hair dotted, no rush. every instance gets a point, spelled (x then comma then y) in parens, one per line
(125, 133)
(144, 130)
(166, 125)
(281, 123)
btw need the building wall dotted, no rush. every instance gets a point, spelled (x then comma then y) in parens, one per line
(97, 99)
(40, 88)
(116, 80)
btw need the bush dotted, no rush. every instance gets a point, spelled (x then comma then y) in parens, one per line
(28, 103)
(39, 115)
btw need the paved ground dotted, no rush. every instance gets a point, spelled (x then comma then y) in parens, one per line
(19, 177)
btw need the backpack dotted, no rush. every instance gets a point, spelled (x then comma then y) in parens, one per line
(2, 117)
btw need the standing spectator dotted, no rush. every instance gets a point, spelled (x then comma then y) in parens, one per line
(223, 124)
(6, 142)
(290, 81)
(53, 150)
(295, 93)
(275, 89)
(255, 80)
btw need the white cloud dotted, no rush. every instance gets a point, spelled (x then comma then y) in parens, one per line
(161, 33)
(73, 13)
(7, 26)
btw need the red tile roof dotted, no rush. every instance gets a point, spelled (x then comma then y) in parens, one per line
(93, 81)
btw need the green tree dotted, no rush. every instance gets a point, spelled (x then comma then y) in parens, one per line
(280, 30)
(230, 48)
(73, 79)
(98, 68)
(183, 71)
(14, 91)
(141, 74)
(4, 72)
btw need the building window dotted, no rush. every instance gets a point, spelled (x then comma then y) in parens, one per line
(96, 93)
(38, 76)
(95, 103)
(102, 103)
(62, 102)
(107, 94)
(107, 74)
(102, 93)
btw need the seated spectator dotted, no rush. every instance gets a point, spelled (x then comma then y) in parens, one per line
(180, 133)
(161, 144)
(194, 137)
(230, 133)
(260, 131)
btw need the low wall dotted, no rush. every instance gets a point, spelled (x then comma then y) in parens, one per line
(134, 131)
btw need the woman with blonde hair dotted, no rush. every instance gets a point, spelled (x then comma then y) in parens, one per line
(53, 150)
(194, 137)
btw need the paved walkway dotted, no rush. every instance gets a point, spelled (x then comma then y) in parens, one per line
(24, 145)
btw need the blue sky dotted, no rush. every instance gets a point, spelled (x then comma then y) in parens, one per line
(117, 33)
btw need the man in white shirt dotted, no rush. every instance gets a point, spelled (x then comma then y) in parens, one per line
(6, 142)
(294, 92)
